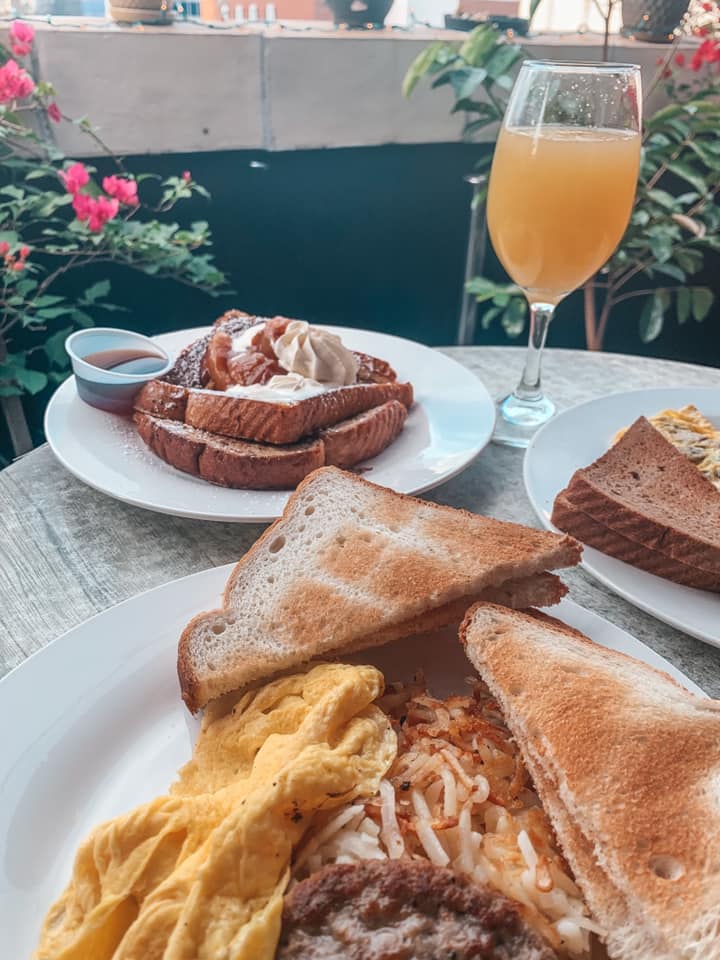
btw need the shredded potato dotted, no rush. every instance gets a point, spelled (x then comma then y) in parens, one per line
(458, 795)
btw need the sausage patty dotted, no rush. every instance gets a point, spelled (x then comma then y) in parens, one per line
(402, 910)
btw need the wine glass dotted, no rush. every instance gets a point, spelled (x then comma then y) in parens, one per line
(561, 192)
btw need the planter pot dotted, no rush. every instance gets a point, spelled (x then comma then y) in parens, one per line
(141, 11)
(360, 14)
(653, 20)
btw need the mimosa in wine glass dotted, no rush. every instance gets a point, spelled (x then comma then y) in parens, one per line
(561, 192)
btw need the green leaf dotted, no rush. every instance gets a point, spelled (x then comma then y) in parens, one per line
(513, 319)
(96, 292)
(684, 300)
(502, 60)
(81, 318)
(485, 289)
(661, 247)
(670, 270)
(420, 66)
(663, 198)
(52, 313)
(475, 126)
(464, 82)
(652, 316)
(37, 174)
(702, 301)
(47, 300)
(688, 260)
(688, 173)
(54, 347)
(488, 316)
(479, 44)
(32, 381)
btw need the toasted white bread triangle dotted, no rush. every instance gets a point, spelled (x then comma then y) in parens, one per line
(627, 765)
(345, 566)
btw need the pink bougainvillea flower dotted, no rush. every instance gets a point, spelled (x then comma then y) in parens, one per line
(95, 211)
(18, 265)
(102, 209)
(680, 59)
(707, 52)
(125, 191)
(75, 178)
(21, 38)
(81, 205)
(187, 176)
(4, 248)
(15, 83)
(53, 111)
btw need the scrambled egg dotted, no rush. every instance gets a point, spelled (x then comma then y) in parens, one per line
(693, 435)
(200, 874)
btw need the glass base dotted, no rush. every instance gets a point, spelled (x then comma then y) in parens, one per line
(517, 420)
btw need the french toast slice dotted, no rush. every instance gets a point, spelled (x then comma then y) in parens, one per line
(251, 465)
(185, 394)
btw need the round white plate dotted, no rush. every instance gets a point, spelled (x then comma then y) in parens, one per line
(451, 422)
(98, 726)
(577, 437)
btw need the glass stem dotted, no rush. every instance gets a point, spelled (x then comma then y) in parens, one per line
(530, 387)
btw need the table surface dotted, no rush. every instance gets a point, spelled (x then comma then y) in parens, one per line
(69, 552)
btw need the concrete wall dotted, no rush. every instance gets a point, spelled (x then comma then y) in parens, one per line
(186, 89)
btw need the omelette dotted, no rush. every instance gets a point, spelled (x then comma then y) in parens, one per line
(200, 873)
(693, 435)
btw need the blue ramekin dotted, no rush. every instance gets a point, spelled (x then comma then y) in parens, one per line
(108, 389)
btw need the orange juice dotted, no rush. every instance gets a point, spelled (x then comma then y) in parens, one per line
(559, 202)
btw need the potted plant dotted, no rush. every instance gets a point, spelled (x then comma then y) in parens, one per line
(58, 215)
(360, 14)
(675, 222)
(141, 11)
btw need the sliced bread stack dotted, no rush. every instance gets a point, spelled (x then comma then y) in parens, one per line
(645, 503)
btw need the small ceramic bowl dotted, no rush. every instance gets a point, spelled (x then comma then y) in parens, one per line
(111, 365)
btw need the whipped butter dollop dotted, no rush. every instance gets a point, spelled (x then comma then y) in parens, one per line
(315, 354)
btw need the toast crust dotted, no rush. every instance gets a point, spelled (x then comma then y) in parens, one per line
(626, 763)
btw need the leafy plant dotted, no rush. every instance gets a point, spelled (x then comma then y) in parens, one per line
(675, 220)
(56, 217)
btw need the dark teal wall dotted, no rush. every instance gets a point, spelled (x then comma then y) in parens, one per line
(371, 237)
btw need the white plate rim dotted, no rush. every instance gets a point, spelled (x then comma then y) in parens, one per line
(484, 411)
(610, 582)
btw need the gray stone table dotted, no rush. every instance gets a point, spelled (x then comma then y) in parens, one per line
(69, 552)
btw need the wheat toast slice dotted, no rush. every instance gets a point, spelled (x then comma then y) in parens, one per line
(184, 394)
(648, 492)
(248, 465)
(626, 763)
(346, 566)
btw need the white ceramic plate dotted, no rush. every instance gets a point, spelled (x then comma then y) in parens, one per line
(580, 435)
(451, 422)
(98, 726)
